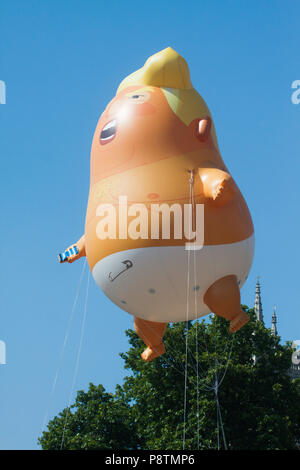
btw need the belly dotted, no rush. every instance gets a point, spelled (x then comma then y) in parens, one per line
(168, 283)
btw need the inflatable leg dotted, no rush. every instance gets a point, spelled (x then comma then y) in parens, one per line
(223, 298)
(152, 334)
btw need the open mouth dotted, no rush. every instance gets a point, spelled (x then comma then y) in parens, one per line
(108, 132)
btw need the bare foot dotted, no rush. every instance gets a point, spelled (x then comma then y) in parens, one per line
(240, 320)
(151, 353)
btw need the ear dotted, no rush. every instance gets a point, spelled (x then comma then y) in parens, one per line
(203, 129)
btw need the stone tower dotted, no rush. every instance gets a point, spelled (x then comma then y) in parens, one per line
(294, 370)
(274, 323)
(257, 304)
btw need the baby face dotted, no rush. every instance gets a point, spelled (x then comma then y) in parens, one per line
(137, 128)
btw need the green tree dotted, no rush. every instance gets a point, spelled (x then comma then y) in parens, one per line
(97, 420)
(173, 401)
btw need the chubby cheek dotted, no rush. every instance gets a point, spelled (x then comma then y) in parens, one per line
(143, 109)
(113, 109)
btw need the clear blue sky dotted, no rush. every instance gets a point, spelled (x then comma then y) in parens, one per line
(62, 61)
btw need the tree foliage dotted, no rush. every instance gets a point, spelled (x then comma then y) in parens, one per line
(97, 420)
(173, 400)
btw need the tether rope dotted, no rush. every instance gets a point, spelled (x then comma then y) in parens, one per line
(67, 334)
(191, 181)
(77, 360)
(196, 336)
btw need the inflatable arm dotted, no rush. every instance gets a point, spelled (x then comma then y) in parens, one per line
(74, 252)
(218, 185)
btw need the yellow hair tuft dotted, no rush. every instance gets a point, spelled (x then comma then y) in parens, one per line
(165, 69)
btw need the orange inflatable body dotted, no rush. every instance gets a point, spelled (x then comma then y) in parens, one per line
(154, 159)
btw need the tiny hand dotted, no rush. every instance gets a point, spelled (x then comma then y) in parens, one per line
(223, 192)
(74, 253)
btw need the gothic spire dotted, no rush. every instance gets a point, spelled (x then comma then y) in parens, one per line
(257, 304)
(274, 323)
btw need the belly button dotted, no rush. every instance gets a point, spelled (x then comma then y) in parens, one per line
(153, 196)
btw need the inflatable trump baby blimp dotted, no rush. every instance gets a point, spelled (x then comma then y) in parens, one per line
(163, 207)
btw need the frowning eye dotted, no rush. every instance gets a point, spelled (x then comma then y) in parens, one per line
(108, 132)
(139, 97)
